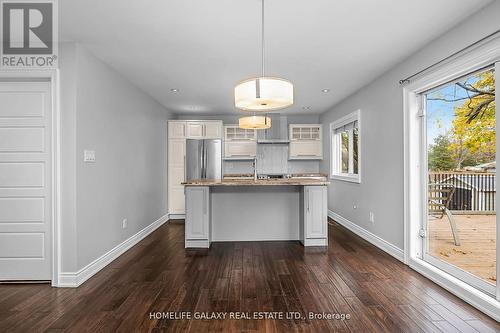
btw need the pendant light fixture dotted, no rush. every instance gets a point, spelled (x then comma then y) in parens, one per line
(263, 93)
(255, 122)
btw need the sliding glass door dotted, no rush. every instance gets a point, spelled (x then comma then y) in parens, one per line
(459, 188)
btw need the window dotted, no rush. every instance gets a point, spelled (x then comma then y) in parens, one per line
(458, 119)
(450, 160)
(345, 153)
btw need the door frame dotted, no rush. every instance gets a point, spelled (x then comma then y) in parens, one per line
(52, 76)
(474, 58)
(456, 271)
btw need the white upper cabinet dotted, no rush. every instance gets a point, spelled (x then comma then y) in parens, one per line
(204, 130)
(195, 130)
(305, 150)
(177, 129)
(239, 143)
(213, 130)
(235, 133)
(306, 141)
(240, 150)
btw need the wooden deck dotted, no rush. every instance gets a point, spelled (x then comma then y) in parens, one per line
(478, 244)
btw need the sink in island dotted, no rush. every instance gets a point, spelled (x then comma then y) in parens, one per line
(256, 210)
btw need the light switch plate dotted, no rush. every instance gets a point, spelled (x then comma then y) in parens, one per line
(89, 156)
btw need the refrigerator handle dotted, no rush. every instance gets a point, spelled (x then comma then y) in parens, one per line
(205, 158)
(200, 152)
(202, 159)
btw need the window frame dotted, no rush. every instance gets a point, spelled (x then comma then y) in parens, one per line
(336, 149)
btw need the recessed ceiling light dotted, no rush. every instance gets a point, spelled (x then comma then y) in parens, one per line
(325, 90)
(174, 90)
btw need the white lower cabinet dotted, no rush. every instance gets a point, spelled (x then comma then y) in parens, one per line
(315, 232)
(197, 227)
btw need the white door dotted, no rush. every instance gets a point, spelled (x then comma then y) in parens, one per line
(25, 181)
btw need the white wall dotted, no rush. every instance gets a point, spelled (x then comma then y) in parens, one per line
(67, 62)
(104, 112)
(381, 104)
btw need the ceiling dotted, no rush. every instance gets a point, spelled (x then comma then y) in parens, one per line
(203, 48)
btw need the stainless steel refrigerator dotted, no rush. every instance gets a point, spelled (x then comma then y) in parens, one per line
(203, 159)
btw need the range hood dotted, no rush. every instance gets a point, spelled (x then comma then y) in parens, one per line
(277, 134)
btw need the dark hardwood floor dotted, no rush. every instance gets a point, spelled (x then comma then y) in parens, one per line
(353, 277)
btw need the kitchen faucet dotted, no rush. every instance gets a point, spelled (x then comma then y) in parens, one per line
(254, 164)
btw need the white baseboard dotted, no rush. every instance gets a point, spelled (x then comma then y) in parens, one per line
(68, 279)
(176, 216)
(315, 242)
(368, 236)
(197, 243)
(74, 279)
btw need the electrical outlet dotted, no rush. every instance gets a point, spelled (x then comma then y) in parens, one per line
(372, 217)
(124, 223)
(89, 156)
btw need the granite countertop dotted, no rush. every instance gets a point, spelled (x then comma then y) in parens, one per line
(238, 175)
(263, 182)
(309, 174)
(247, 175)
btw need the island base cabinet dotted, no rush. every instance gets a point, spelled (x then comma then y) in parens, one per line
(315, 219)
(197, 227)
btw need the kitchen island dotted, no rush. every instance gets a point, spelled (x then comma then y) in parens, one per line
(256, 210)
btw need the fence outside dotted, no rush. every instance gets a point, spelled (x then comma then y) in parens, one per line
(473, 192)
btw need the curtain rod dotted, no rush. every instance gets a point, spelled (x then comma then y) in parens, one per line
(407, 79)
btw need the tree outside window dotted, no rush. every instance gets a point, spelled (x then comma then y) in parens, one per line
(345, 141)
